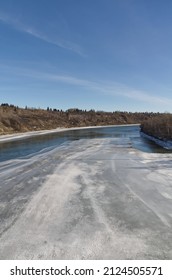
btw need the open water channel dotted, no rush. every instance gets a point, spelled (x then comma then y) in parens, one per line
(28, 147)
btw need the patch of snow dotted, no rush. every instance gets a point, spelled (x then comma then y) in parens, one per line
(165, 144)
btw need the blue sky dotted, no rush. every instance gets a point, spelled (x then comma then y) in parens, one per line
(95, 54)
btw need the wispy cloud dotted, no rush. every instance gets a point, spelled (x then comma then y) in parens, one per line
(101, 87)
(135, 94)
(68, 45)
(111, 89)
(59, 42)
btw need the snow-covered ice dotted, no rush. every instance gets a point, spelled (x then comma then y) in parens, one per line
(90, 199)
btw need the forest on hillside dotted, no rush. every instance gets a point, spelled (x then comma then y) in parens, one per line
(14, 119)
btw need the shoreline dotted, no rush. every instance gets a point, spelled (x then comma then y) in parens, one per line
(23, 135)
(166, 144)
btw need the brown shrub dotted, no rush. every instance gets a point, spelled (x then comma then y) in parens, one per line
(159, 126)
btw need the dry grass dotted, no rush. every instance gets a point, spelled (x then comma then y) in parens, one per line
(159, 126)
(13, 119)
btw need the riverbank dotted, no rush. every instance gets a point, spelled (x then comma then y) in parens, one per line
(19, 120)
(24, 135)
(159, 129)
(166, 144)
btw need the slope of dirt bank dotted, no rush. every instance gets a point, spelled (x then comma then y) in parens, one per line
(14, 119)
(159, 130)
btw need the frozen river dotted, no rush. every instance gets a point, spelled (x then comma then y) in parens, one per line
(100, 193)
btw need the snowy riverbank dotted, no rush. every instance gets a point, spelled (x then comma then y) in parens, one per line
(165, 144)
(24, 135)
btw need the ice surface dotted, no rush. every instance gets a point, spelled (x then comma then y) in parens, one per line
(90, 199)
